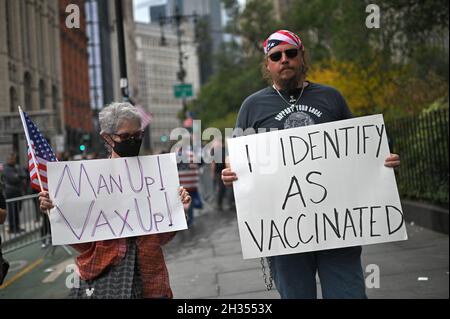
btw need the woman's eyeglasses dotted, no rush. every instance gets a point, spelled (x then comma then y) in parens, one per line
(290, 54)
(126, 136)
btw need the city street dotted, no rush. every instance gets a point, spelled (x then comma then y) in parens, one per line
(206, 262)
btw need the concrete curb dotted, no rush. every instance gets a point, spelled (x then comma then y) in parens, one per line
(426, 215)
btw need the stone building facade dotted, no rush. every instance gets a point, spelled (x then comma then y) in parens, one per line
(30, 72)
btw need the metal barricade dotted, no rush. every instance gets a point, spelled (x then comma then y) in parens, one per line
(25, 224)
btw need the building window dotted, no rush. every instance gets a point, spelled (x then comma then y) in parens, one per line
(9, 27)
(39, 21)
(52, 46)
(27, 91)
(23, 29)
(27, 30)
(12, 100)
(42, 95)
(54, 98)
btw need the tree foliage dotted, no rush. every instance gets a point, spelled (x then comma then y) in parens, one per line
(225, 91)
(257, 22)
(397, 69)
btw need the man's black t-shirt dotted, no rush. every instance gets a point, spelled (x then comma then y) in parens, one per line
(265, 109)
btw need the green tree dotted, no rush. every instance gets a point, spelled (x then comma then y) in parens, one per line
(395, 69)
(331, 29)
(226, 91)
(204, 48)
(238, 66)
(256, 23)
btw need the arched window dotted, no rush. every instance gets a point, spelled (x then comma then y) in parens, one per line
(42, 95)
(27, 92)
(12, 100)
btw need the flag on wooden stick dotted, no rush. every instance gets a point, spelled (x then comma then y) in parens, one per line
(39, 153)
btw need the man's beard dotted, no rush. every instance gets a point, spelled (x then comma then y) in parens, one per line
(293, 82)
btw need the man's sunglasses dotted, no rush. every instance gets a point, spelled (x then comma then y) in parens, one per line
(290, 54)
(126, 136)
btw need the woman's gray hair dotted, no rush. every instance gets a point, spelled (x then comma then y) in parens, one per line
(112, 115)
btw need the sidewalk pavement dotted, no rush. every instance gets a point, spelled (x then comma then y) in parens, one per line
(209, 264)
(206, 262)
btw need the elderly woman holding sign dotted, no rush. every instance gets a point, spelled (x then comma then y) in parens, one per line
(131, 267)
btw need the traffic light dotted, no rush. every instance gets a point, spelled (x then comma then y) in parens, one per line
(84, 142)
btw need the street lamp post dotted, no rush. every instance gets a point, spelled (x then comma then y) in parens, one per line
(178, 19)
(122, 51)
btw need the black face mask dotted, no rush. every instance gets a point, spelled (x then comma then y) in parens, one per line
(128, 148)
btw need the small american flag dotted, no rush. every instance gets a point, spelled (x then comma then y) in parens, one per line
(188, 173)
(42, 152)
(146, 117)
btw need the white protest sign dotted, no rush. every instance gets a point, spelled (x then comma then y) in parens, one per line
(316, 187)
(114, 198)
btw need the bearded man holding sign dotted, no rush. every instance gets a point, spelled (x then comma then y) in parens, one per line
(291, 101)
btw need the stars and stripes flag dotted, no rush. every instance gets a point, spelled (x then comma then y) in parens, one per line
(188, 173)
(146, 117)
(39, 153)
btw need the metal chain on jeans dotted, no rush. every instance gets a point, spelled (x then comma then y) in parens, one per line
(267, 281)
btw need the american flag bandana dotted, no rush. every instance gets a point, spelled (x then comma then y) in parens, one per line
(42, 152)
(282, 37)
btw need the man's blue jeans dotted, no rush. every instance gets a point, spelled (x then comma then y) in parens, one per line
(340, 273)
